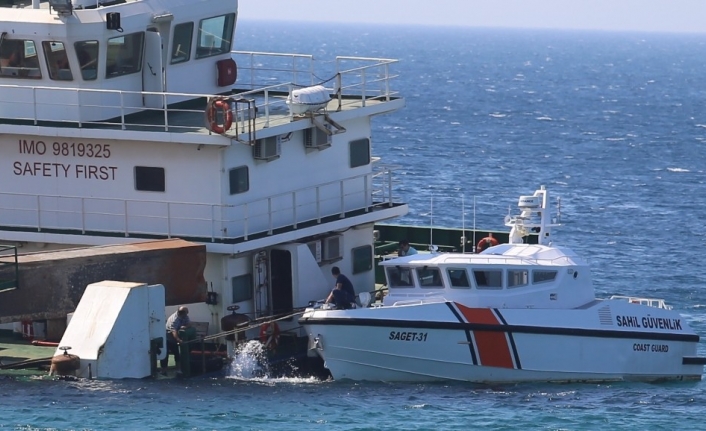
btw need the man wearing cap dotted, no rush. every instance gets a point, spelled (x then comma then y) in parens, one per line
(175, 322)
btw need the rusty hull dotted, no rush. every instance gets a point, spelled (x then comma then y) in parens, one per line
(52, 283)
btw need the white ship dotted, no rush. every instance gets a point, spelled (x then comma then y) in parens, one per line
(515, 312)
(133, 120)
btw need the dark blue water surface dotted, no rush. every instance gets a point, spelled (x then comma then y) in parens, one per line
(613, 123)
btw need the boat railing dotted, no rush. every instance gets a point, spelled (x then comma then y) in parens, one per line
(214, 222)
(265, 78)
(353, 80)
(650, 302)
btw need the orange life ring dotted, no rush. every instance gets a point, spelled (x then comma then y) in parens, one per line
(212, 116)
(269, 335)
(486, 242)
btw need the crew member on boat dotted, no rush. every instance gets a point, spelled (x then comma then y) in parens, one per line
(406, 249)
(343, 294)
(175, 322)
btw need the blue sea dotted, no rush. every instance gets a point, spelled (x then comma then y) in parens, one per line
(613, 123)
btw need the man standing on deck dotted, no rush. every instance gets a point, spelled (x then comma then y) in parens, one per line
(175, 322)
(406, 249)
(343, 293)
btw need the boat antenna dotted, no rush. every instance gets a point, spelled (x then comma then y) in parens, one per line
(463, 225)
(431, 223)
(474, 224)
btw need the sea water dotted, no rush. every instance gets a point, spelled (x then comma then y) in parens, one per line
(613, 123)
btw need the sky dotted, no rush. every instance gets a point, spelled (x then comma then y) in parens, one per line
(609, 15)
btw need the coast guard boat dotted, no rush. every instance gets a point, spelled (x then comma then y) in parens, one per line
(133, 120)
(515, 312)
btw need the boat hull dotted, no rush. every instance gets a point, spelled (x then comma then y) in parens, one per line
(493, 346)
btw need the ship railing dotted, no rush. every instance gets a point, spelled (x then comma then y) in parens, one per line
(201, 221)
(650, 302)
(353, 80)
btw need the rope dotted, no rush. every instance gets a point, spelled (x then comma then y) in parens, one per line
(253, 325)
(322, 81)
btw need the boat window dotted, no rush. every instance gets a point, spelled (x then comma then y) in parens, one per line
(57, 61)
(124, 55)
(399, 277)
(149, 179)
(87, 54)
(181, 42)
(362, 259)
(539, 276)
(215, 35)
(517, 278)
(458, 278)
(19, 59)
(429, 277)
(488, 278)
(239, 180)
(359, 152)
(241, 288)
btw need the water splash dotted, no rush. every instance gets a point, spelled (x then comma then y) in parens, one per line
(249, 361)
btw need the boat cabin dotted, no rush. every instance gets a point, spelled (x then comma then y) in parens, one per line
(112, 52)
(504, 276)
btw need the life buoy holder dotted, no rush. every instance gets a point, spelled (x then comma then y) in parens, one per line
(214, 106)
(269, 335)
(486, 242)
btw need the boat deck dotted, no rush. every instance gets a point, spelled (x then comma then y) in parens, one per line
(258, 100)
(14, 350)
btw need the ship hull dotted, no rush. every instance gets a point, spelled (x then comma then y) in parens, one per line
(498, 346)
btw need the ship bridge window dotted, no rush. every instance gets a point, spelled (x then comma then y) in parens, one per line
(19, 59)
(215, 35)
(239, 180)
(541, 276)
(181, 42)
(87, 55)
(124, 55)
(362, 259)
(241, 288)
(458, 278)
(488, 278)
(429, 277)
(517, 278)
(57, 61)
(359, 152)
(399, 277)
(149, 179)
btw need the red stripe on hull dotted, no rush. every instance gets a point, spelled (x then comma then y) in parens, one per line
(493, 348)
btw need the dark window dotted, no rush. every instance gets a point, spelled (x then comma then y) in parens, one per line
(215, 35)
(242, 288)
(124, 55)
(539, 276)
(238, 179)
(19, 59)
(399, 277)
(458, 278)
(362, 259)
(57, 61)
(87, 54)
(429, 277)
(181, 43)
(359, 152)
(517, 277)
(148, 179)
(488, 279)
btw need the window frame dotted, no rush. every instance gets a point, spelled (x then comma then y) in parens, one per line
(203, 51)
(353, 153)
(465, 276)
(175, 33)
(248, 278)
(487, 286)
(230, 180)
(140, 179)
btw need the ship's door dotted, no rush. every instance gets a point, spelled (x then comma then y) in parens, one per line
(152, 70)
(281, 270)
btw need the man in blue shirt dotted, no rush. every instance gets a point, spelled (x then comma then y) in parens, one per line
(175, 322)
(406, 249)
(343, 293)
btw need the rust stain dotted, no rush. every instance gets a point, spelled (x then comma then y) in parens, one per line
(52, 283)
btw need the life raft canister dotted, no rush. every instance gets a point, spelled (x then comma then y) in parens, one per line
(486, 242)
(269, 335)
(214, 106)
